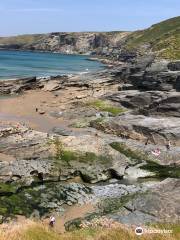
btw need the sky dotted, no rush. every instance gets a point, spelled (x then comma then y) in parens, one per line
(43, 16)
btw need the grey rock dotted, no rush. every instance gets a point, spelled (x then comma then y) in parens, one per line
(126, 87)
(115, 190)
(135, 218)
(139, 127)
(135, 172)
(149, 102)
(62, 131)
(174, 66)
(158, 205)
(56, 114)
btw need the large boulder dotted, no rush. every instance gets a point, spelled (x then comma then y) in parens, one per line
(149, 102)
(161, 81)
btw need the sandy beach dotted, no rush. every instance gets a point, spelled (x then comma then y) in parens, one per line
(22, 108)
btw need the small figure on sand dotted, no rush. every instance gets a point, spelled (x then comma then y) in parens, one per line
(156, 152)
(168, 145)
(36, 109)
(52, 221)
(146, 143)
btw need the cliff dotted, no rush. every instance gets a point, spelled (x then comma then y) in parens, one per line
(81, 43)
(162, 39)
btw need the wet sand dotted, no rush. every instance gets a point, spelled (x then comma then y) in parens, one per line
(22, 109)
(72, 213)
(6, 158)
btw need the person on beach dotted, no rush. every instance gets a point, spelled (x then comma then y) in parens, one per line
(156, 152)
(52, 221)
(168, 145)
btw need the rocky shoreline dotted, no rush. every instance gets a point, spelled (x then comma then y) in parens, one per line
(101, 128)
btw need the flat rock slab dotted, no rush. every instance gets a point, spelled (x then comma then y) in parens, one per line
(150, 102)
(52, 86)
(62, 131)
(140, 127)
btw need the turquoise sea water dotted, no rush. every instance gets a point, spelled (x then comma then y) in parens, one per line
(15, 64)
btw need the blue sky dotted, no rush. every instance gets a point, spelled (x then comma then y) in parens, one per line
(41, 16)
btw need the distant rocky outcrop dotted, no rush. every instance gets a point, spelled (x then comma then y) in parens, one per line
(89, 43)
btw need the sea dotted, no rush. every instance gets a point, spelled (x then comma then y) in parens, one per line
(19, 64)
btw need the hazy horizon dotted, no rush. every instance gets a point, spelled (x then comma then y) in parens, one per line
(21, 17)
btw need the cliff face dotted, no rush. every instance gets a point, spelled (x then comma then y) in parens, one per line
(83, 43)
(162, 39)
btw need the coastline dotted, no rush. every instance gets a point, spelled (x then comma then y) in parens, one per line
(89, 120)
(43, 51)
(97, 119)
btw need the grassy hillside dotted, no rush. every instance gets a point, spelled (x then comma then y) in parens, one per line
(163, 38)
(37, 231)
(21, 39)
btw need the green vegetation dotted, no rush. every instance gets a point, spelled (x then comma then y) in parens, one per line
(36, 231)
(14, 205)
(105, 106)
(22, 39)
(60, 154)
(41, 233)
(86, 157)
(83, 123)
(163, 37)
(12, 200)
(174, 227)
(8, 188)
(22, 203)
(111, 205)
(63, 155)
(162, 171)
(28, 199)
(136, 155)
(99, 120)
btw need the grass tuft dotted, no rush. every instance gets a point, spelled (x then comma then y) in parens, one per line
(64, 156)
(136, 155)
(105, 106)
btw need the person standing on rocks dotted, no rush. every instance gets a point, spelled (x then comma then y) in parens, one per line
(52, 221)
